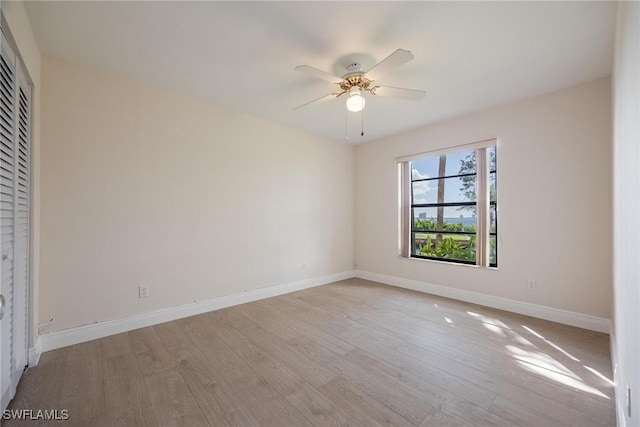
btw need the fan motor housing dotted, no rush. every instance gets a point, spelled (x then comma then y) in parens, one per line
(354, 77)
(355, 80)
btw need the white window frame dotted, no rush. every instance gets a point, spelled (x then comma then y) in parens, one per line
(482, 201)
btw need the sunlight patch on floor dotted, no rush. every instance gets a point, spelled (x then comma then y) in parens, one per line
(563, 379)
(495, 329)
(563, 351)
(557, 347)
(520, 339)
(487, 319)
(598, 374)
(531, 331)
(541, 360)
(500, 328)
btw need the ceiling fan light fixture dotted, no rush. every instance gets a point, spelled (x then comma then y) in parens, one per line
(355, 81)
(356, 101)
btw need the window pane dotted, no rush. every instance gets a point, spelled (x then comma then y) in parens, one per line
(493, 219)
(460, 247)
(424, 168)
(460, 163)
(461, 218)
(454, 190)
(492, 187)
(493, 251)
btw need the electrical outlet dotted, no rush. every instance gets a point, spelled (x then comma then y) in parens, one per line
(143, 291)
(532, 285)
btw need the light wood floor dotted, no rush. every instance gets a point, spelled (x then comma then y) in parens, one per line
(350, 353)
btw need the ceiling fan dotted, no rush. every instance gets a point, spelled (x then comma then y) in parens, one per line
(356, 81)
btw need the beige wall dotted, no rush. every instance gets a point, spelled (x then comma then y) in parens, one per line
(141, 186)
(626, 210)
(21, 32)
(554, 201)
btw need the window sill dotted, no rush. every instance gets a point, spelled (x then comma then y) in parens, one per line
(446, 262)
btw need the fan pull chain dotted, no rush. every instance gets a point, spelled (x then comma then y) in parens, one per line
(362, 122)
(346, 121)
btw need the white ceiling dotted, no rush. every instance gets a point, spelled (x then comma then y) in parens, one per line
(469, 56)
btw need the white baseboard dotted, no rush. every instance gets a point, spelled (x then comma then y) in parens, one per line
(620, 392)
(34, 354)
(579, 320)
(66, 337)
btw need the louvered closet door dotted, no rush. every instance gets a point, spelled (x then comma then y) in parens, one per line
(7, 215)
(15, 130)
(21, 229)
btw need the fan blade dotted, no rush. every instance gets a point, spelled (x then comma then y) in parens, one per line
(319, 74)
(398, 92)
(391, 62)
(321, 99)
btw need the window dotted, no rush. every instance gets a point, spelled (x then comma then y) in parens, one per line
(449, 205)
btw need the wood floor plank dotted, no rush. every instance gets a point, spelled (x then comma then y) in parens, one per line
(364, 409)
(176, 343)
(490, 350)
(82, 391)
(445, 306)
(521, 415)
(181, 344)
(401, 398)
(459, 405)
(377, 344)
(218, 403)
(276, 309)
(485, 333)
(116, 345)
(519, 391)
(352, 353)
(278, 375)
(126, 396)
(589, 343)
(216, 350)
(286, 382)
(266, 404)
(151, 354)
(172, 400)
(315, 406)
(264, 317)
(279, 349)
(440, 419)
(438, 396)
